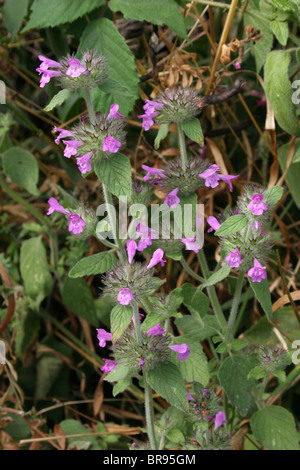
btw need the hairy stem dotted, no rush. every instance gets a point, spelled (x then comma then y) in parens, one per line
(149, 414)
(190, 271)
(182, 146)
(234, 308)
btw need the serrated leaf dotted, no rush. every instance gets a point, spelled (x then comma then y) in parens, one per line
(154, 11)
(34, 269)
(58, 99)
(218, 276)
(284, 5)
(104, 37)
(13, 13)
(121, 386)
(279, 91)
(281, 31)
(119, 373)
(194, 329)
(44, 14)
(94, 264)
(71, 427)
(262, 293)
(273, 195)
(195, 300)
(21, 167)
(167, 381)
(193, 130)
(232, 225)
(258, 373)
(162, 134)
(195, 367)
(233, 377)
(115, 173)
(274, 427)
(120, 318)
(77, 296)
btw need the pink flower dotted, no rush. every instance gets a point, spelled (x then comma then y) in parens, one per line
(84, 163)
(55, 207)
(141, 363)
(257, 206)
(145, 234)
(182, 349)
(190, 398)
(153, 172)
(147, 121)
(220, 419)
(131, 248)
(257, 226)
(205, 391)
(234, 258)
(102, 337)
(227, 179)
(155, 331)
(76, 224)
(71, 147)
(46, 63)
(191, 244)
(236, 65)
(157, 257)
(75, 68)
(258, 272)
(110, 144)
(62, 134)
(125, 296)
(151, 106)
(113, 113)
(214, 224)
(210, 176)
(47, 75)
(172, 199)
(202, 153)
(109, 365)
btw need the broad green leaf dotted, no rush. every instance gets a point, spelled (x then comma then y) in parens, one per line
(104, 37)
(167, 381)
(195, 300)
(273, 195)
(72, 427)
(280, 30)
(233, 224)
(119, 373)
(238, 344)
(77, 296)
(192, 328)
(233, 377)
(94, 264)
(175, 435)
(57, 12)
(218, 276)
(279, 91)
(34, 269)
(115, 173)
(284, 5)
(293, 174)
(162, 134)
(13, 13)
(195, 367)
(154, 11)
(120, 318)
(121, 386)
(274, 427)
(193, 130)
(262, 293)
(280, 374)
(21, 167)
(48, 369)
(58, 99)
(17, 427)
(258, 373)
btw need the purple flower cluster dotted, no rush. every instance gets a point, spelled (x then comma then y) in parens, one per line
(76, 223)
(150, 109)
(212, 177)
(47, 74)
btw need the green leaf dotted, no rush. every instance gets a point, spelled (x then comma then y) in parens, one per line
(167, 381)
(175, 435)
(194, 329)
(258, 373)
(280, 30)
(58, 12)
(77, 296)
(94, 264)
(262, 293)
(154, 11)
(73, 427)
(195, 300)
(58, 99)
(120, 318)
(104, 37)
(284, 5)
(17, 427)
(279, 91)
(21, 167)
(222, 347)
(193, 130)
(238, 344)
(119, 373)
(195, 367)
(115, 173)
(218, 276)
(280, 374)
(121, 386)
(162, 134)
(48, 369)
(233, 377)
(274, 427)
(26, 329)
(34, 269)
(273, 195)
(13, 13)
(233, 224)
(293, 174)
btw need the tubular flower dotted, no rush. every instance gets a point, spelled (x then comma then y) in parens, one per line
(258, 272)
(182, 349)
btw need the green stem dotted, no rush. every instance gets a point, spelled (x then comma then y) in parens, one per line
(234, 308)
(89, 105)
(182, 146)
(212, 292)
(149, 414)
(262, 389)
(137, 323)
(190, 271)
